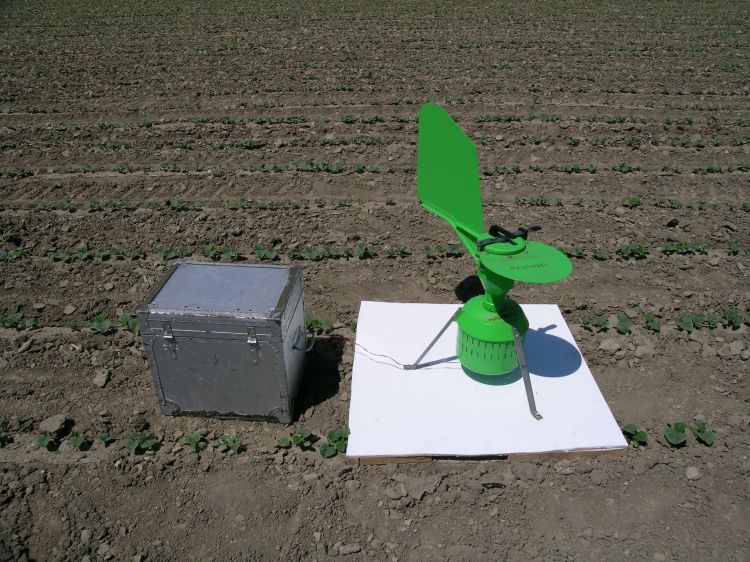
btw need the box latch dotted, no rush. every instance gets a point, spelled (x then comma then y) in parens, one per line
(168, 333)
(169, 342)
(252, 341)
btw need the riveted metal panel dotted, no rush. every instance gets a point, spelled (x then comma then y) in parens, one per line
(226, 340)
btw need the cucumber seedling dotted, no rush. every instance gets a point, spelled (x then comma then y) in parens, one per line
(636, 437)
(336, 443)
(264, 253)
(624, 324)
(227, 443)
(101, 325)
(140, 442)
(104, 438)
(652, 323)
(599, 254)
(302, 438)
(364, 251)
(46, 440)
(703, 434)
(676, 434)
(129, 323)
(195, 442)
(317, 326)
(77, 441)
(169, 253)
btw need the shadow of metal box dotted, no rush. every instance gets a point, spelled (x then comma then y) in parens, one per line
(226, 340)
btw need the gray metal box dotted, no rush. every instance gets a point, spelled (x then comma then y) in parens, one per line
(226, 340)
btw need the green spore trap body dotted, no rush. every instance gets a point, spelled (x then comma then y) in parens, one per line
(448, 186)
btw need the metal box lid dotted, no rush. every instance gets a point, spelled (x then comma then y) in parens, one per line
(223, 289)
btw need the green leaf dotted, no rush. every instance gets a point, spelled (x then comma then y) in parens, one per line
(706, 437)
(674, 437)
(641, 438)
(76, 441)
(140, 441)
(195, 442)
(283, 443)
(685, 323)
(104, 438)
(623, 324)
(680, 426)
(653, 323)
(327, 450)
(629, 430)
(45, 440)
(100, 324)
(228, 443)
(698, 428)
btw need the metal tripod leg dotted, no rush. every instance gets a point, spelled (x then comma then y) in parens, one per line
(415, 365)
(525, 374)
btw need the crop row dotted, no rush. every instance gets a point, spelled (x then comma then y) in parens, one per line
(336, 168)
(181, 205)
(361, 250)
(731, 318)
(378, 119)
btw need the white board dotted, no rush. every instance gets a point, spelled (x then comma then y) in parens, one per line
(439, 410)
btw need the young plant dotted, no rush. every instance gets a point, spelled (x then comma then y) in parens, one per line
(303, 438)
(195, 442)
(628, 251)
(77, 441)
(632, 202)
(311, 253)
(104, 438)
(686, 323)
(129, 323)
(364, 251)
(600, 255)
(264, 253)
(46, 440)
(703, 434)
(169, 253)
(227, 443)
(317, 326)
(12, 255)
(237, 204)
(635, 436)
(652, 323)
(284, 443)
(180, 205)
(731, 318)
(230, 254)
(11, 320)
(140, 442)
(337, 443)
(675, 434)
(593, 322)
(211, 252)
(101, 325)
(624, 324)
(396, 251)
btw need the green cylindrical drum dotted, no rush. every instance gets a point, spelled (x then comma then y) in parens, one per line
(485, 338)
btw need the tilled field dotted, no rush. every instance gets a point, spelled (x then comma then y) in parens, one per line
(132, 134)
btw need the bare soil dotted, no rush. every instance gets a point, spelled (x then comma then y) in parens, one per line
(289, 125)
